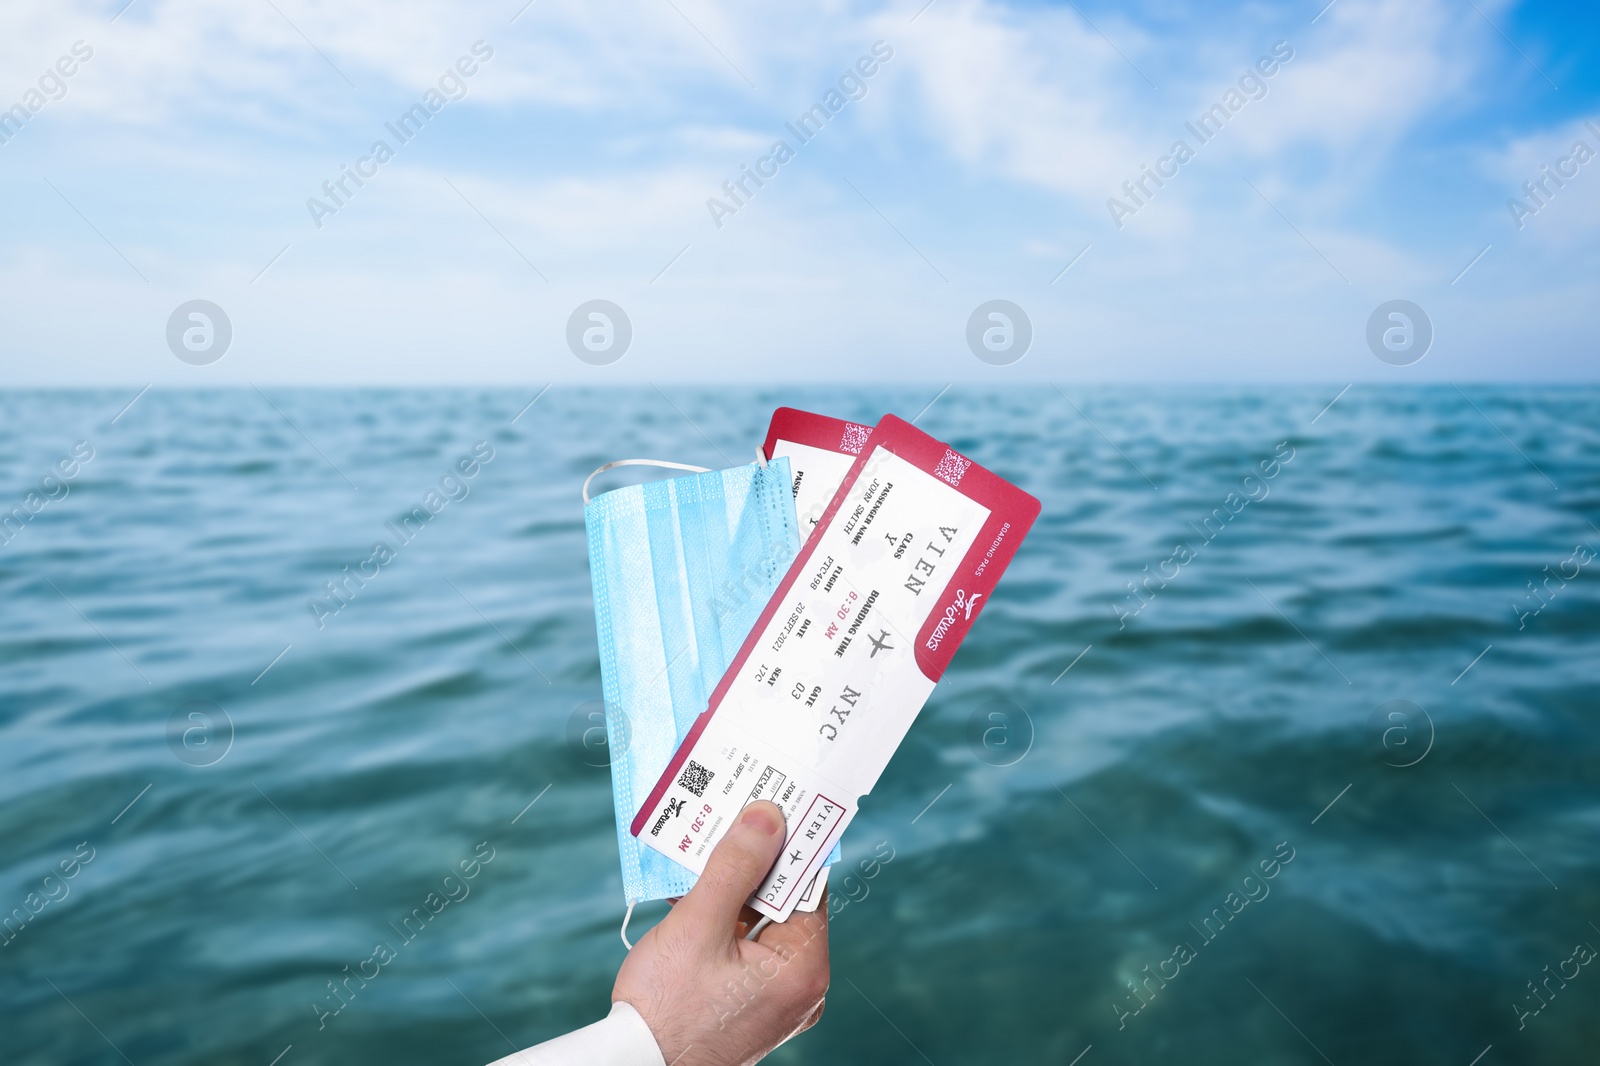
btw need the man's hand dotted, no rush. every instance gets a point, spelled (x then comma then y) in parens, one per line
(710, 997)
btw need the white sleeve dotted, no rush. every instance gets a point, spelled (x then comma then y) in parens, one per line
(621, 1038)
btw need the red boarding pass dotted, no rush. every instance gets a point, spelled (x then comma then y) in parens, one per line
(821, 451)
(843, 658)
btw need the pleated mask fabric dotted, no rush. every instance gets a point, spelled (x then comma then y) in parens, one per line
(681, 569)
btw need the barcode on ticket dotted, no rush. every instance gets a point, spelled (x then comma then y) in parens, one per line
(695, 778)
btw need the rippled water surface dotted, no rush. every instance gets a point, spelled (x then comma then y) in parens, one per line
(1159, 745)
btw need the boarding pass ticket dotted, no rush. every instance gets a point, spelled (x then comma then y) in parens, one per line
(821, 451)
(845, 654)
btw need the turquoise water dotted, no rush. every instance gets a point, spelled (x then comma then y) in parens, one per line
(1228, 718)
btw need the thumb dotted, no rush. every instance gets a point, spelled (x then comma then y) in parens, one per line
(736, 867)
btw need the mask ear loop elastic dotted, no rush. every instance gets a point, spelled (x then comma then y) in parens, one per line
(761, 457)
(623, 932)
(638, 462)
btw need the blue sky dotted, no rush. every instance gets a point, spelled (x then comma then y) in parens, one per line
(976, 164)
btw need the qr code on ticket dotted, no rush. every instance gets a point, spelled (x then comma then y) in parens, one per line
(695, 778)
(951, 467)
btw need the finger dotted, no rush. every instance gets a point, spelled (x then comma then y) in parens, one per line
(804, 934)
(736, 867)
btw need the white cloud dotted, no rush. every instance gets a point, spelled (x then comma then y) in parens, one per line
(1027, 97)
(992, 139)
(1563, 209)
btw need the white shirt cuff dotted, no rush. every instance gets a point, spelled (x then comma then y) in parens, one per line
(621, 1038)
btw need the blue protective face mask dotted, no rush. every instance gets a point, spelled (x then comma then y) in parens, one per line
(681, 571)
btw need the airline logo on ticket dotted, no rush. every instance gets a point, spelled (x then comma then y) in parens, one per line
(846, 653)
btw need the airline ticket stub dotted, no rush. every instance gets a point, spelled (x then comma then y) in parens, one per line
(821, 451)
(847, 651)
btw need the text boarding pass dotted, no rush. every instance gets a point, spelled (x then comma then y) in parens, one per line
(845, 654)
